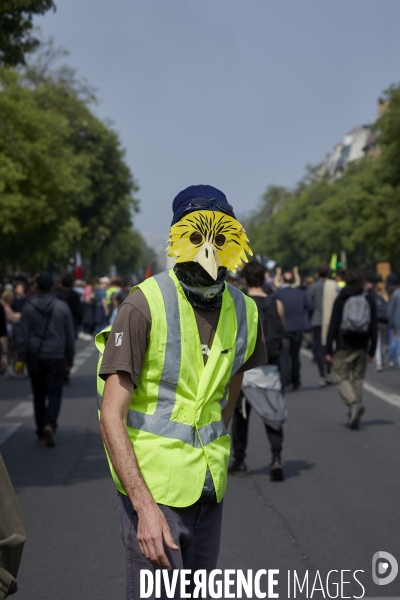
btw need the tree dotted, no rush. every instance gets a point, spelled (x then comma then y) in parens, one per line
(16, 25)
(63, 178)
(359, 213)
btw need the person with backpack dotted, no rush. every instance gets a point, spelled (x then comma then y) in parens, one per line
(262, 388)
(353, 327)
(45, 342)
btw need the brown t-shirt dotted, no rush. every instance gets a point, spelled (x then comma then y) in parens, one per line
(130, 334)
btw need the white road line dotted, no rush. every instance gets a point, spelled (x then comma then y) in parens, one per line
(393, 399)
(82, 357)
(6, 430)
(23, 409)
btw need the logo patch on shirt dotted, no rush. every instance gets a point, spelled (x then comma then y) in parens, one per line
(118, 339)
(205, 349)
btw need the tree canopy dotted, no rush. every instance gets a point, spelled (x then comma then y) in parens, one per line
(15, 28)
(359, 213)
(63, 177)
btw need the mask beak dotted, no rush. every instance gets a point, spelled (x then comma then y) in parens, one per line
(207, 257)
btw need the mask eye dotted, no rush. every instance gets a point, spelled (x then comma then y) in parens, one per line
(220, 239)
(196, 238)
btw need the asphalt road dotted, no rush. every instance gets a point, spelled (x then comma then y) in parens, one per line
(339, 504)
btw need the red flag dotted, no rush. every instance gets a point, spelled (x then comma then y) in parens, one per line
(148, 271)
(78, 265)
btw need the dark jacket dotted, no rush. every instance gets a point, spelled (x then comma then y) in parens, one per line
(74, 302)
(298, 308)
(351, 341)
(59, 339)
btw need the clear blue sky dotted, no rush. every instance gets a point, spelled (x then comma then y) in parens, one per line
(235, 93)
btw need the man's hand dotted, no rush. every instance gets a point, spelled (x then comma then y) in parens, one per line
(152, 533)
(153, 530)
(328, 358)
(372, 359)
(394, 334)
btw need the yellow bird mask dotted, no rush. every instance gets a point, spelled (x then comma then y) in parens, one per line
(211, 238)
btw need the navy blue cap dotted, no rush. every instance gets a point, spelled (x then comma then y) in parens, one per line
(217, 199)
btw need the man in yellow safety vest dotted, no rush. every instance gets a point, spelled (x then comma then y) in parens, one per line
(170, 371)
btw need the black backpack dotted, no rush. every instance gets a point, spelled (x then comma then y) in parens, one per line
(272, 325)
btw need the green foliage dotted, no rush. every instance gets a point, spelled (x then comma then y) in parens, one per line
(359, 213)
(63, 178)
(15, 26)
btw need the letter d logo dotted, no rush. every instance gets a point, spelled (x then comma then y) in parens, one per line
(380, 568)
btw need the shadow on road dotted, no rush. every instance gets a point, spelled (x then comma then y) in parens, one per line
(78, 457)
(292, 468)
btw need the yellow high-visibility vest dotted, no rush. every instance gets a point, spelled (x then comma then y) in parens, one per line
(175, 416)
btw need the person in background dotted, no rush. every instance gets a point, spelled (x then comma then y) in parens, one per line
(71, 297)
(381, 300)
(102, 311)
(89, 307)
(322, 293)
(279, 279)
(46, 343)
(394, 321)
(12, 317)
(298, 307)
(353, 327)
(114, 288)
(341, 279)
(19, 297)
(3, 340)
(261, 387)
(116, 302)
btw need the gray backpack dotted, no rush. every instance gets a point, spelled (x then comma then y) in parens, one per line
(356, 316)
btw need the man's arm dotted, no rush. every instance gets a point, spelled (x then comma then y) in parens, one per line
(234, 389)
(276, 282)
(153, 528)
(296, 276)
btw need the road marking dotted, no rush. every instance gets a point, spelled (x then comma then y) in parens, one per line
(82, 357)
(23, 409)
(393, 399)
(6, 430)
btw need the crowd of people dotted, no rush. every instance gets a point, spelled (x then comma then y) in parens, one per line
(40, 319)
(344, 320)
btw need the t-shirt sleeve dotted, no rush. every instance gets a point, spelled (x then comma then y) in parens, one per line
(259, 356)
(129, 338)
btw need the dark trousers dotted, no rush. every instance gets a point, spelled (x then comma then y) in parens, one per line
(47, 382)
(323, 366)
(195, 529)
(240, 428)
(290, 358)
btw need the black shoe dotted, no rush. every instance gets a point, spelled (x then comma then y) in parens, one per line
(237, 467)
(49, 435)
(356, 412)
(296, 386)
(276, 470)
